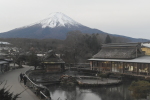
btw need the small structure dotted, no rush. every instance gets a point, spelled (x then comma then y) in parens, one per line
(4, 63)
(4, 66)
(53, 63)
(127, 58)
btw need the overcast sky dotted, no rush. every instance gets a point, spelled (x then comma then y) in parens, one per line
(122, 17)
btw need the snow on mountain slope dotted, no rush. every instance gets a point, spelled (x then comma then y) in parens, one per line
(58, 20)
(56, 25)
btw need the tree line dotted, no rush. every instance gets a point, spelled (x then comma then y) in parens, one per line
(76, 48)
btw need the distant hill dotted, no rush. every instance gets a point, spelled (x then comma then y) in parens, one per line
(132, 39)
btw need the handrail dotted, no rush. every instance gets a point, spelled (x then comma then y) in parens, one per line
(40, 86)
(44, 95)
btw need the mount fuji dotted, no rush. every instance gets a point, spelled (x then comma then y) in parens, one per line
(59, 20)
(56, 26)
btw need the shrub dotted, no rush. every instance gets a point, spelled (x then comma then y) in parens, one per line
(5, 94)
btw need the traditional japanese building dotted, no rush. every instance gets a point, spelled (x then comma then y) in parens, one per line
(53, 63)
(130, 58)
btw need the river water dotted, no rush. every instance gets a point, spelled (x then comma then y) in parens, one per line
(119, 92)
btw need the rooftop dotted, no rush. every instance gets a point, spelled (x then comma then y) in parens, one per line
(143, 59)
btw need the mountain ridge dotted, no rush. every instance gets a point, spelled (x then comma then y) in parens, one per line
(56, 26)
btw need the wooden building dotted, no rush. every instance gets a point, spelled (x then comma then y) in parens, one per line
(121, 58)
(53, 63)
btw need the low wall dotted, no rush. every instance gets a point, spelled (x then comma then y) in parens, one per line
(89, 81)
(99, 85)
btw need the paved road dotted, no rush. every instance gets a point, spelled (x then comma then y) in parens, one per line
(12, 78)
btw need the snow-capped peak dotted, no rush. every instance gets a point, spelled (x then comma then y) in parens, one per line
(57, 20)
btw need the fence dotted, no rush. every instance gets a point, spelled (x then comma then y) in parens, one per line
(41, 91)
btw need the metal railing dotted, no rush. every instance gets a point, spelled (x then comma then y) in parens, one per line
(41, 91)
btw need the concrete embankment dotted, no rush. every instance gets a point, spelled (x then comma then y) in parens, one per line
(97, 81)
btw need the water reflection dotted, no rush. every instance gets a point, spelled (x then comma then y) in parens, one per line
(72, 94)
(97, 93)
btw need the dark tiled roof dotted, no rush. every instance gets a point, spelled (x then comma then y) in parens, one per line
(124, 53)
(52, 58)
(119, 51)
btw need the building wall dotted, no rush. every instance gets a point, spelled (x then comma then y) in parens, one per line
(121, 67)
(147, 50)
(53, 68)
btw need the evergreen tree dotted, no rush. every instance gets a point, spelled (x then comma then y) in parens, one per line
(140, 89)
(6, 95)
(108, 39)
(33, 60)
